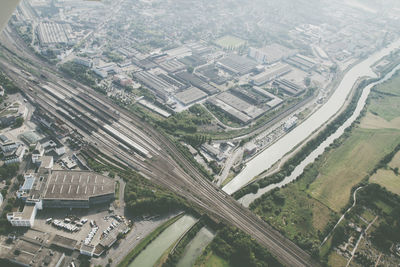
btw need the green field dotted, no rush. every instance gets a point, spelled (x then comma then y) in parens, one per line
(230, 42)
(387, 179)
(348, 164)
(385, 99)
(211, 260)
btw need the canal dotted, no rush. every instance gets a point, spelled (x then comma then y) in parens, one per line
(272, 154)
(150, 255)
(195, 247)
(249, 198)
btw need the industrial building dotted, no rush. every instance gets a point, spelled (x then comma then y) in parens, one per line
(302, 62)
(161, 87)
(54, 33)
(237, 65)
(190, 96)
(60, 189)
(270, 74)
(241, 105)
(240, 116)
(195, 81)
(289, 87)
(271, 53)
(172, 65)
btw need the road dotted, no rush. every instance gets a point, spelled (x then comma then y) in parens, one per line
(164, 168)
(342, 217)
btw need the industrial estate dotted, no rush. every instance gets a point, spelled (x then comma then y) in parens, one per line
(199, 133)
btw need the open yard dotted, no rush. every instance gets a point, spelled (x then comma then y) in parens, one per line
(348, 164)
(229, 42)
(387, 179)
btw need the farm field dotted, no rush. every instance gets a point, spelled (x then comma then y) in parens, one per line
(348, 164)
(387, 179)
(375, 137)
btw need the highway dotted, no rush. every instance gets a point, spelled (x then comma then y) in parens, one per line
(163, 162)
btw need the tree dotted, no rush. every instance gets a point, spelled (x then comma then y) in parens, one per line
(18, 122)
(339, 235)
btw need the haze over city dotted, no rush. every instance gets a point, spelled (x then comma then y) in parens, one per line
(199, 133)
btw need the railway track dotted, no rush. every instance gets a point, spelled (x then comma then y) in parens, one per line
(164, 169)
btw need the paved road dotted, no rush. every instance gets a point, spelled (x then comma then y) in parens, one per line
(166, 170)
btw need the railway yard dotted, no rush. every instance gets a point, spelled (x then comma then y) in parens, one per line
(130, 141)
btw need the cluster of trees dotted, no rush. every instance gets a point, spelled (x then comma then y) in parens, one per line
(8, 171)
(113, 56)
(79, 73)
(187, 121)
(290, 164)
(18, 122)
(143, 197)
(240, 249)
(388, 232)
(7, 84)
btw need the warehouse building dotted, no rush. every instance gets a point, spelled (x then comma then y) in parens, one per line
(270, 74)
(190, 96)
(237, 65)
(271, 53)
(60, 189)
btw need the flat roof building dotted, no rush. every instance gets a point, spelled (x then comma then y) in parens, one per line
(190, 96)
(77, 189)
(271, 74)
(271, 53)
(26, 218)
(237, 64)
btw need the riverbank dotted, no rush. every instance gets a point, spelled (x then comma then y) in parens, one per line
(147, 240)
(347, 121)
(275, 152)
(308, 209)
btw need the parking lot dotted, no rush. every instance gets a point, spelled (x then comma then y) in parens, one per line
(100, 216)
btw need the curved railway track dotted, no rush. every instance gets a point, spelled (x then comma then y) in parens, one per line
(164, 168)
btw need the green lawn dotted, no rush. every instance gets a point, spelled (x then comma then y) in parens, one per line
(348, 164)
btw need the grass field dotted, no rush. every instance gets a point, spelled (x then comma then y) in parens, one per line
(299, 215)
(211, 260)
(229, 41)
(387, 179)
(371, 121)
(385, 99)
(348, 164)
(336, 260)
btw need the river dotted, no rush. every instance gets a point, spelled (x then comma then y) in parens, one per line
(249, 198)
(150, 255)
(272, 154)
(195, 247)
(7, 8)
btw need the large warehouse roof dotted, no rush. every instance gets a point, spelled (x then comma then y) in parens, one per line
(77, 185)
